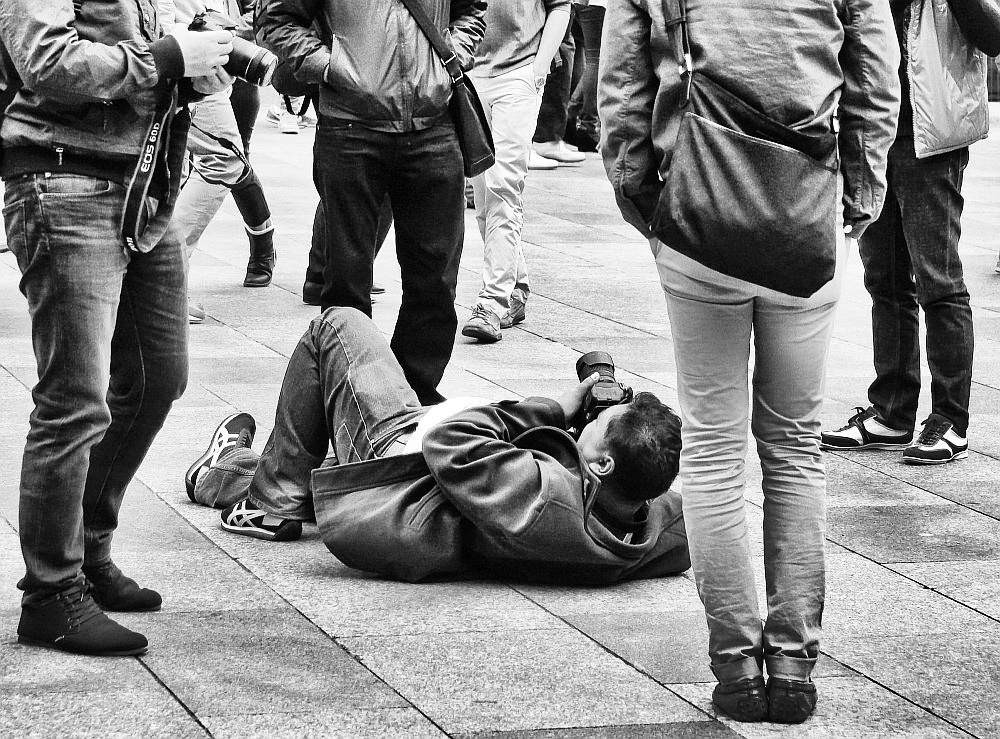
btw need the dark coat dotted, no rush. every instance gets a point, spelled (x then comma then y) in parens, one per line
(500, 487)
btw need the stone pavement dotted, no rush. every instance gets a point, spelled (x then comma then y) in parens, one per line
(281, 639)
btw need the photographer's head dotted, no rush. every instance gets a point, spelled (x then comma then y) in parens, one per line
(634, 448)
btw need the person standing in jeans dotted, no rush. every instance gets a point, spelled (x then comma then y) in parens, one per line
(799, 60)
(910, 253)
(384, 129)
(511, 67)
(108, 322)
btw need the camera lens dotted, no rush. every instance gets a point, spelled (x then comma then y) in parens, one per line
(599, 362)
(251, 63)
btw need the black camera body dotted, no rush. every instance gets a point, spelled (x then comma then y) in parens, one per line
(606, 393)
(247, 61)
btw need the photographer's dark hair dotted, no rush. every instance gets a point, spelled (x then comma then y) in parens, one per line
(645, 442)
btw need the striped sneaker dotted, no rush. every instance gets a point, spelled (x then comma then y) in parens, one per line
(238, 429)
(866, 430)
(937, 444)
(243, 517)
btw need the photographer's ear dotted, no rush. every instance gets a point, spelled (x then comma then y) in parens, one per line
(602, 466)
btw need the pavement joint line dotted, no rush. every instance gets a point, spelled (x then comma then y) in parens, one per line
(174, 696)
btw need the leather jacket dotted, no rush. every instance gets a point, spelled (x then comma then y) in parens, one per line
(371, 61)
(797, 61)
(91, 78)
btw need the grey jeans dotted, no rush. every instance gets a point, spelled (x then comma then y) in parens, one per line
(343, 388)
(713, 324)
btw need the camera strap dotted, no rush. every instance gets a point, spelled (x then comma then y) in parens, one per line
(163, 130)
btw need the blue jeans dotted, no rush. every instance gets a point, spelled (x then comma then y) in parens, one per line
(342, 387)
(911, 261)
(354, 168)
(109, 330)
(714, 322)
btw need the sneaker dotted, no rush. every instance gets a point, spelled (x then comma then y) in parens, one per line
(938, 443)
(228, 435)
(865, 430)
(71, 622)
(743, 700)
(243, 517)
(537, 161)
(790, 701)
(483, 325)
(559, 151)
(112, 590)
(514, 314)
(289, 122)
(196, 312)
(273, 114)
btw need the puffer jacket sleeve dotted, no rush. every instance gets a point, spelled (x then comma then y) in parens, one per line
(52, 60)
(286, 28)
(625, 96)
(497, 486)
(869, 107)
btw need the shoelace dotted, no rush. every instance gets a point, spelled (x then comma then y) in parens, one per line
(482, 312)
(244, 439)
(81, 608)
(932, 433)
(858, 410)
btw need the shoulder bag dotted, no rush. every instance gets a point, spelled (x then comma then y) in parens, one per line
(471, 125)
(744, 194)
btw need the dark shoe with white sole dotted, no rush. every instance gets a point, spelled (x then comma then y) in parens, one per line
(243, 517)
(938, 443)
(866, 430)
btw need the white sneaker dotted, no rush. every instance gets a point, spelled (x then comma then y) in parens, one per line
(559, 151)
(288, 123)
(537, 161)
(196, 312)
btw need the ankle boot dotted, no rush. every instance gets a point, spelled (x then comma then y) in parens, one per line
(262, 259)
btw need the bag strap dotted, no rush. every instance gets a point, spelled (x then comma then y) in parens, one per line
(675, 17)
(433, 34)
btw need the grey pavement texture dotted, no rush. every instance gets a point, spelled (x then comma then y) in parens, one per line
(263, 639)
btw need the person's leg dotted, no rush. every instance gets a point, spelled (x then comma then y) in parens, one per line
(551, 123)
(427, 192)
(588, 126)
(930, 200)
(790, 351)
(149, 365)
(245, 100)
(500, 209)
(351, 168)
(712, 351)
(895, 392)
(73, 266)
(342, 385)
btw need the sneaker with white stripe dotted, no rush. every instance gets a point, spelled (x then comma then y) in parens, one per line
(227, 436)
(937, 444)
(243, 517)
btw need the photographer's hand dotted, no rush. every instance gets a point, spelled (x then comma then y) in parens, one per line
(571, 400)
(204, 52)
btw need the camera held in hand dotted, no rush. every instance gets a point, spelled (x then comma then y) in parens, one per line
(607, 392)
(247, 61)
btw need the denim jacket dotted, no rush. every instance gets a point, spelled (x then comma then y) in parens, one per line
(500, 487)
(798, 61)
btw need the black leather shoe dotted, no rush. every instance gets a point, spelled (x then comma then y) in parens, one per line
(743, 700)
(262, 259)
(114, 591)
(71, 622)
(311, 292)
(790, 701)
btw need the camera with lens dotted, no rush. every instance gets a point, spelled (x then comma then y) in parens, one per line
(247, 61)
(607, 392)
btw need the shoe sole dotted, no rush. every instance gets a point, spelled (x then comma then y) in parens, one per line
(881, 446)
(285, 532)
(917, 460)
(511, 324)
(191, 476)
(49, 645)
(480, 335)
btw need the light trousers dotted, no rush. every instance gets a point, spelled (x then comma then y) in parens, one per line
(714, 323)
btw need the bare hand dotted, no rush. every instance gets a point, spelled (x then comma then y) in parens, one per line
(217, 81)
(204, 51)
(572, 399)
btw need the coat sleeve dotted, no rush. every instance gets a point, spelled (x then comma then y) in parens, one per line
(869, 107)
(287, 28)
(53, 61)
(625, 96)
(495, 485)
(466, 26)
(980, 22)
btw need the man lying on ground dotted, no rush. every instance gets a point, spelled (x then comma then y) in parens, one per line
(451, 489)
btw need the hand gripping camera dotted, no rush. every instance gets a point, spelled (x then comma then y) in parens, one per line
(606, 393)
(247, 61)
